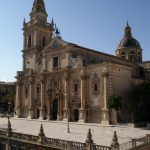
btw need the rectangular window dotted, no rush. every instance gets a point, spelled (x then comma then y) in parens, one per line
(55, 62)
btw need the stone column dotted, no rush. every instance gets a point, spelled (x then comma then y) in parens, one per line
(60, 106)
(148, 137)
(66, 94)
(18, 99)
(31, 111)
(42, 113)
(58, 114)
(105, 110)
(49, 104)
(83, 96)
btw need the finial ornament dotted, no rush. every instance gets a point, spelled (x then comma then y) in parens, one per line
(89, 139)
(41, 131)
(115, 140)
(9, 126)
(52, 22)
(24, 21)
(41, 135)
(127, 30)
(127, 24)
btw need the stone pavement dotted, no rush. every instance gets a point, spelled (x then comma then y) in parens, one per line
(102, 134)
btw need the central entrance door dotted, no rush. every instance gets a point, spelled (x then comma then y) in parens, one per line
(2, 146)
(76, 115)
(55, 109)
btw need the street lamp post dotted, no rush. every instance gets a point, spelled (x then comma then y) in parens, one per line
(68, 127)
(9, 129)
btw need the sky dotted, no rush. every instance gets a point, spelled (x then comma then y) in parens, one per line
(95, 24)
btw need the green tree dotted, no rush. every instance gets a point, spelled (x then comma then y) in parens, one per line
(140, 102)
(115, 102)
(10, 97)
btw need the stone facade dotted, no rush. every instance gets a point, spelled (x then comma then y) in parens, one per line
(64, 81)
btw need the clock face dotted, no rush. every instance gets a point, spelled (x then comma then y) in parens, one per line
(27, 63)
(55, 44)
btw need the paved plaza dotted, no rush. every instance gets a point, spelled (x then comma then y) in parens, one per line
(102, 135)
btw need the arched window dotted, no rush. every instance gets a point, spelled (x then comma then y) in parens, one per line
(44, 41)
(29, 41)
(139, 57)
(123, 55)
(132, 56)
(38, 89)
(75, 87)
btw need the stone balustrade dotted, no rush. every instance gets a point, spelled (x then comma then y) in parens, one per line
(48, 142)
(26, 141)
(135, 143)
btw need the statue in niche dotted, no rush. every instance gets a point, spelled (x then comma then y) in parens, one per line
(39, 58)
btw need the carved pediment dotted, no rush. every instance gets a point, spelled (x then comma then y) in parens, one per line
(56, 43)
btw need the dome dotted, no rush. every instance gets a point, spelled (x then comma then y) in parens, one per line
(129, 42)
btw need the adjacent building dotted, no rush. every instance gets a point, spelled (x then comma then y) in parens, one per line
(6, 90)
(64, 81)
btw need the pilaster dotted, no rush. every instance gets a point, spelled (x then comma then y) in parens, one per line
(49, 104)
(83, 95)
(66, 94)
(105, 110)
(18, 100)
(42, 109)
(31, 113)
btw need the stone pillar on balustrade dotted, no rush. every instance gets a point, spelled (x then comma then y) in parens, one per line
(115, 144)
(42, 108)
(105, 110)
(66, 96)
(31, 89)
(18, 99)
(89, 143)
(82, 115)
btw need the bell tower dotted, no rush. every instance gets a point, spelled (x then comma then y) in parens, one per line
(38, 13)
(37, 34)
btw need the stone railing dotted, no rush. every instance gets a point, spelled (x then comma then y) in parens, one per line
(41, 140)
(21, 136)
(134, 143)
(3, 132)
(28, 24)
(98, 147)
(126, 145)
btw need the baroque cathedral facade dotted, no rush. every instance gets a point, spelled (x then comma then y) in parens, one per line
(66, 82)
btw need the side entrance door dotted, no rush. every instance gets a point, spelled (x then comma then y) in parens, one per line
(55, 109)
